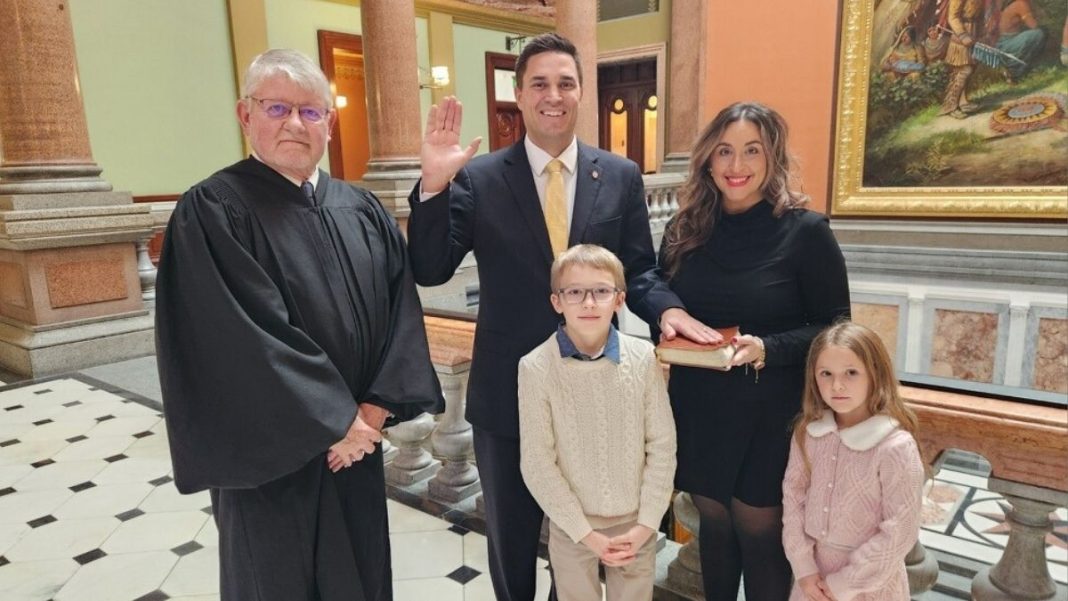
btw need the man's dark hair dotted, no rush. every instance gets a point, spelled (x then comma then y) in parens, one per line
(546, 42)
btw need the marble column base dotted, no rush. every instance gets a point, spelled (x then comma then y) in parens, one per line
(47, 179)
(392, 180)
(35, 352)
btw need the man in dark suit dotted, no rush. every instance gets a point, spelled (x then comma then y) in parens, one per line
(516, 209)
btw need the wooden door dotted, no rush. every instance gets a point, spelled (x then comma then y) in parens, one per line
(341, 56)
(505, 121)
(628, 110)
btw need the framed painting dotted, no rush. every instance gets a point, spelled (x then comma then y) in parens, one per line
(952, 109)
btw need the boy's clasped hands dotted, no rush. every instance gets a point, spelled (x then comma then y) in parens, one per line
(618, 550)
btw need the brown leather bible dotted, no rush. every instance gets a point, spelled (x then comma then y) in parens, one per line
(682, 351)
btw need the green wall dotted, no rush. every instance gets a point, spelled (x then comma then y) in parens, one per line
(635, 31)
(296, 23)
(158, 89)
(470, 45)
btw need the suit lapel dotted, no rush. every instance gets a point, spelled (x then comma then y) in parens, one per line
(587, 186)
(520, 181)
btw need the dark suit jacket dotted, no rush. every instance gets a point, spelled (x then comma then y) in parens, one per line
(492, 207)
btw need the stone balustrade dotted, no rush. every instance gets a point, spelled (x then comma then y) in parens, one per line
(662, 199)
(1026, 446)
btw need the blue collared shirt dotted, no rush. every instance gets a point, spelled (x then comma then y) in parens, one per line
(569, 350)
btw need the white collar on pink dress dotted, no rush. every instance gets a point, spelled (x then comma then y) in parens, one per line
(860, 437)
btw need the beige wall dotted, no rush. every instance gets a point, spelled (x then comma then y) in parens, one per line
(159, 91)
(635, 31)
(783, 55)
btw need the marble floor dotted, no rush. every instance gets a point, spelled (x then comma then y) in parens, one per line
(88, 512)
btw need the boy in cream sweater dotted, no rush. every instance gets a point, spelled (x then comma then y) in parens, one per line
(596, 435)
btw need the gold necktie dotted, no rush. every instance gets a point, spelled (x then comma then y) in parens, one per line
(556, 207)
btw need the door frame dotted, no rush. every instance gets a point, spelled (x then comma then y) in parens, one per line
(659, 52)
(495, 60)
(328, 41)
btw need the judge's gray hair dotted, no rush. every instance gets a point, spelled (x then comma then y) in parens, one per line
(294, 65)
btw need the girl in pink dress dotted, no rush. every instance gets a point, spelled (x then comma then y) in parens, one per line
(852, 490)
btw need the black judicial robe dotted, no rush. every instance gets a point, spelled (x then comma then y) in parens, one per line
(275, 317)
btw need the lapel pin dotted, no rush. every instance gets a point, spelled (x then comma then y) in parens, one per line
(595, 174)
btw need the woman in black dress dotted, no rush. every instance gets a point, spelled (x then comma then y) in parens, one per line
(741, 252)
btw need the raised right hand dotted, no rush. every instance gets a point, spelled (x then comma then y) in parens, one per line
(441, 154)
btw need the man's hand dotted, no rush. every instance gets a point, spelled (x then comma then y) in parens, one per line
(360, 439)
(441, 154)
(624, 548)
(814, 588)
(676, 321)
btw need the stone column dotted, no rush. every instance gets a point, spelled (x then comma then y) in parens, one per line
(452, 439)
(392, 80)
(577, 21)
(1022, 572)
(684, 573)
(686, 82)
(68, 268)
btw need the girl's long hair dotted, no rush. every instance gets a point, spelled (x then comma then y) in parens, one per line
(699, 198)
(883, 397)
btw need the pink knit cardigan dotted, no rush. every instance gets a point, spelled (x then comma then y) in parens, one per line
(856, 515)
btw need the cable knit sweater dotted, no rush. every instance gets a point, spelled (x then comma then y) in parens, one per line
(855, 516)
(597, 439)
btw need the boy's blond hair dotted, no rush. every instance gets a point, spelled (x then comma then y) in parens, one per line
(590, 255)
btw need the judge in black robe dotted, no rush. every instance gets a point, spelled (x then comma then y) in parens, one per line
(276, 315)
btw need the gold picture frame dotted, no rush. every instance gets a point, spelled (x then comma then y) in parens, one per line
(851, 198)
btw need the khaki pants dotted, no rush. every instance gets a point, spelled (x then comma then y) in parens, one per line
(575, 569)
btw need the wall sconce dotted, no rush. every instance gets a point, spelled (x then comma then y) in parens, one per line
(341, 102)
(439, 77)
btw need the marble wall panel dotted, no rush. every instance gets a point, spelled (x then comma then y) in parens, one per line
(964, 345)
(883, 319)
(1051, 356)
(12, 285)
(83, 282)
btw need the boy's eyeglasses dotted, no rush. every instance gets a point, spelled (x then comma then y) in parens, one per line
(575, 296)
(276, 109)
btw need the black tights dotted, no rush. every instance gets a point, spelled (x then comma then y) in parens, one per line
(742, 538)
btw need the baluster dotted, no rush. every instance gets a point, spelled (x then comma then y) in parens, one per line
(1022, 572)
(146, 271)
(412, 463)
(452, 440)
